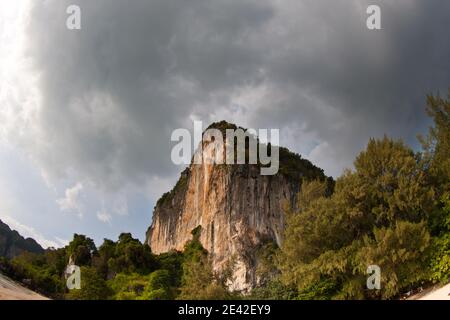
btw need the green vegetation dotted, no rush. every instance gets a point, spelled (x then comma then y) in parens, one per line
(12, 243)
(222, 126)
(41, 272)
(93, 286)
(392, 210)
(122, 270)
(437, 161)
(181, 185)
(155, 286)
(295, 168)
(199, 282)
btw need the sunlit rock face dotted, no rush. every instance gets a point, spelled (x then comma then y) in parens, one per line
(237, 208)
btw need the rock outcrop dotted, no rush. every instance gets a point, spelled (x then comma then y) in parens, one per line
(13, 244)
(238, 209)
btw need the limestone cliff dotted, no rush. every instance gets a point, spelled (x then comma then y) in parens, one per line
(238, 210)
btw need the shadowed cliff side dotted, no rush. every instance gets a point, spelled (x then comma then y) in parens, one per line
(13, 244)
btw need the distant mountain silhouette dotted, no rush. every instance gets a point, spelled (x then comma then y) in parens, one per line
(13, 244)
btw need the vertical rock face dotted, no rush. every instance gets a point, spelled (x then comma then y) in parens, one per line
(237, 208)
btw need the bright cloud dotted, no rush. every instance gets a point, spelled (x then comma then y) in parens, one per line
(71, 201)
(103, 216)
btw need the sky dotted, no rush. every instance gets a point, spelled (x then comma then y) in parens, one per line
(86, 115)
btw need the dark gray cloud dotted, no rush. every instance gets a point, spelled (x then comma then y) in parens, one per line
(113, 91)
(347, 83)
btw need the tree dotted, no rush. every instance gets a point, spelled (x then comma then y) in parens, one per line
(100, 262)
(436, 152)
(440, 254)
(375, 216)
(388, 184)
(159, 286)
(199, 282)
(81, 249)
(172, 262)
(437, 144)
(400, 252)
(93, 287)
(155, 286)
(130, 255)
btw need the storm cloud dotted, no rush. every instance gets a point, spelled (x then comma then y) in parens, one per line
(111, 93)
